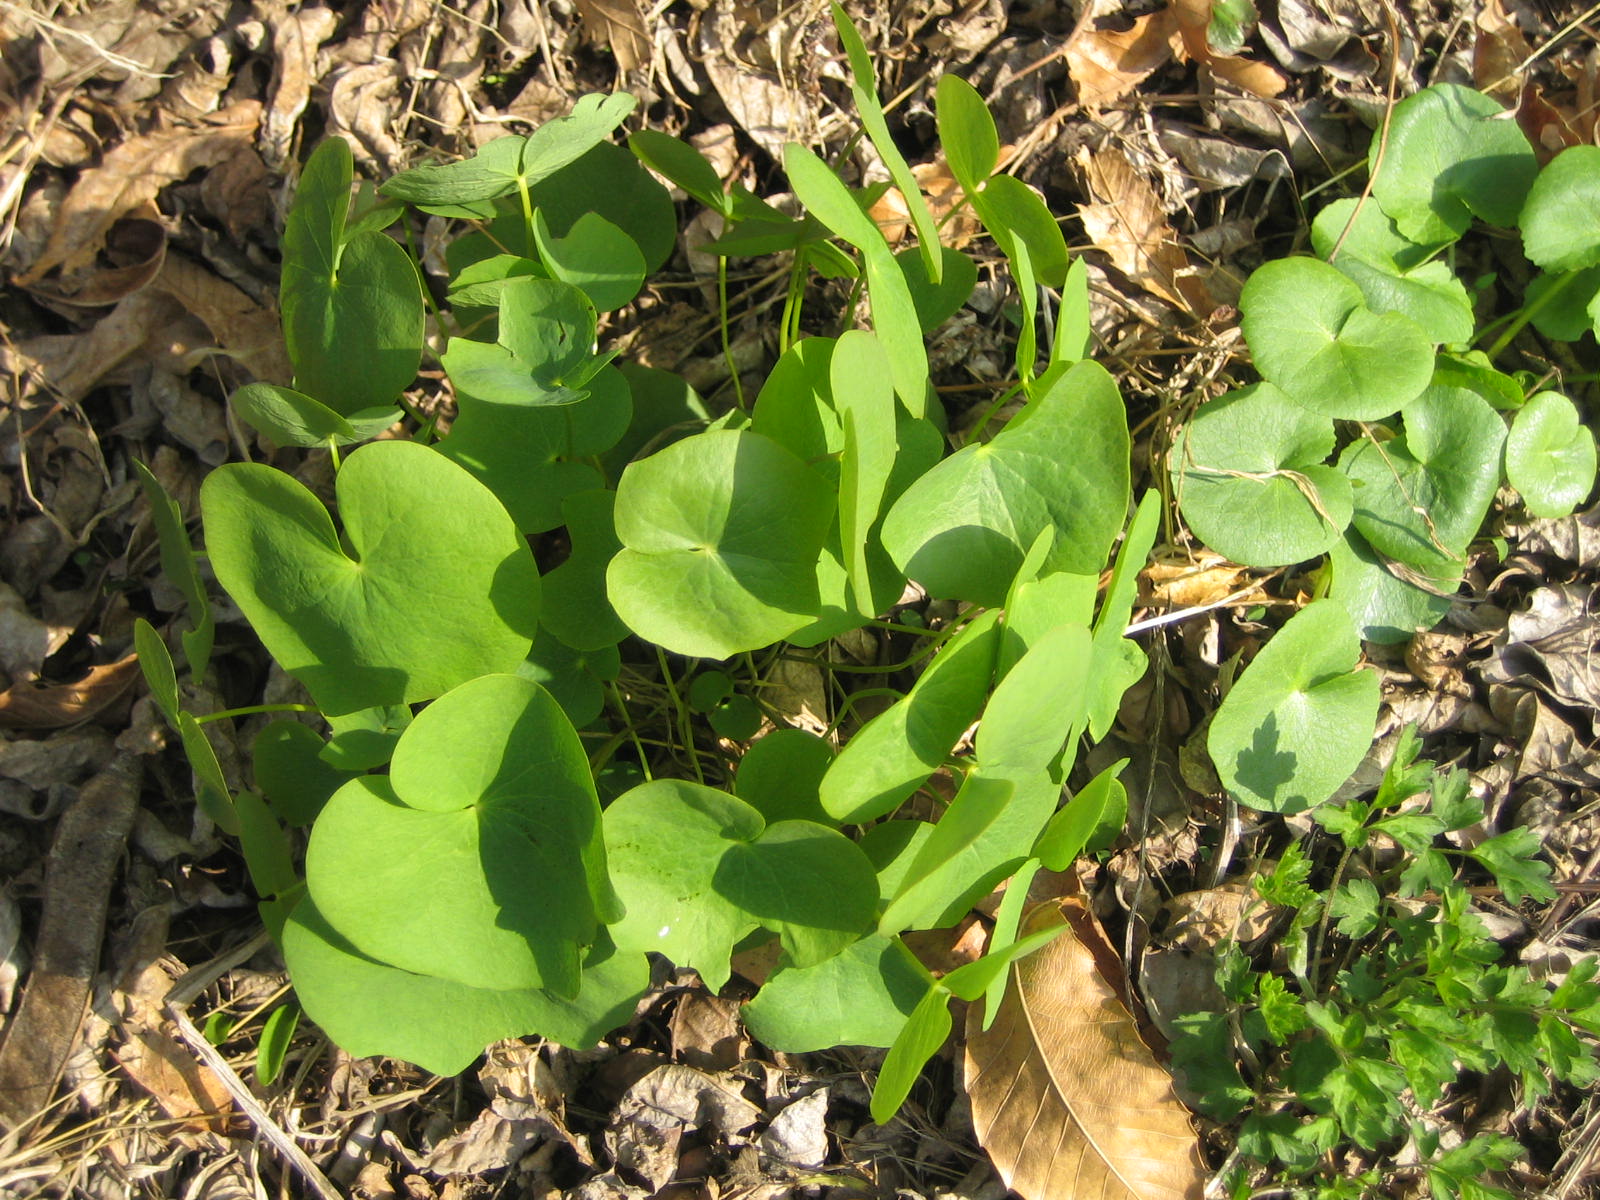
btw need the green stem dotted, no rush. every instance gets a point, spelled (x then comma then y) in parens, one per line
(427, 293)
(1528, 312)
(615, 695)
(685, 728)
(252, 710)
(1000, 402)
(727, 343)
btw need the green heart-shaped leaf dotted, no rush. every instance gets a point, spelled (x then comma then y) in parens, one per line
(962, 529)
(967, 131)
(479, 859)
(611, 183)
(1385, 607)
(1450, 155)
(781, 776)
(1550, 456)
(1421, 497)
(721, 533)
(1561, 219)
(1311, 333)
(291, 773)
(368, 627)
(936, 303)
(697, 869)
(1393, 273)
(1249, 474)
(1299, 720)
(352, 309)
(545, 350)
(595, 256)
(371, 1008)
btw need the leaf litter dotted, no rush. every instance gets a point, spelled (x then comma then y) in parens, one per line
(186, 126)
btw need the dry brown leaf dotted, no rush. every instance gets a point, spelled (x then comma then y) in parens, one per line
(184, 1088)
(53, 706)
(132, 175)
(617, 23)
(1186, 583)
(1258, 78)
(1128, 224)
(243, 329)
(943, 193)
(1498, 53)
(69, 365)
(137, 243)
(295, 39)
(1067, 1100)
(1106, 66)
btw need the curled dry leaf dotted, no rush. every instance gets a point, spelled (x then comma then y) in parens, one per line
(1498, 53)
(243, 329)
(1107, 65)
(132, 175)
(295, 39)
(617, 23)
(1067, 1100)
(54, 706)
(1127, 222)
(1257, 78)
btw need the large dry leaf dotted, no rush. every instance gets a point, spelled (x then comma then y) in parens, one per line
(1067, 1100)
(295, 39)
(132, 175)
(1127, 222)
(617, 23)
(243, 329)
(1106, 66)
(54, 706)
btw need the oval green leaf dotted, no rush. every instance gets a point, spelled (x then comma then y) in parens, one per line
(1550, 456)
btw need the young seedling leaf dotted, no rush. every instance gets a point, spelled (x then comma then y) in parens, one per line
(1014, 214)
(211, 791)
(796, 406)
(291, 773)
(1037, 707)
(352, 309)
(966, 131)
(1550, 456)
(277, 1032)
(503, 164)
(1421, 497)
(697, 869)
(864, 397)
(893, 310)
(919, 1040)
(1007, 920)
(781, 776)
(972, 980)
(479, 859)
(576, 609)
(1393, 273)
(546, 343)
(860, 997)
(478, 284)
(1091, 820)
(370, 1008)
(155, 662)
(178, 565)
(595, 256)
(893, 754)
(1561, 219)
(721, 533)
(1074, 327)
(352, 628)
(1451, 154)
(1299, 720)
(684, 165)
(1118, 662)
(1312, 334)
(291, 418)
(1386, 607)
(962, 529)
(265, 846)
(1248, 472)
(1472, 370)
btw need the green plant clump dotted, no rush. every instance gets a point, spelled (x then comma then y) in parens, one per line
(542, 643)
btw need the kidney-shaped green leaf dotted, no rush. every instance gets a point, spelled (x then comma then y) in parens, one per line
(369, 1007)
(480, 858)
(698, 869)
(1451, 154)
(1248, 472)
(1386, 608)
(439, 587)
(291, 418)
(721, 533)
(1561, 220)
(1311, 333)
(1300, 718)
(963, 528)
(1550, 456)
(1421, 497)
(860, 997)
